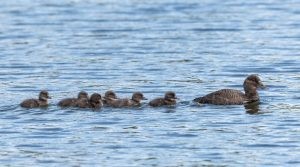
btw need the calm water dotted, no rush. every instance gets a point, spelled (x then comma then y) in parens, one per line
(189, 47)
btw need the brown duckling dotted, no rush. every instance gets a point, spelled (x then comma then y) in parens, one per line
(169, 99)
(234, 97)
(42, 101)
(71, 102)
(109, 97)
(135, 101)
(95, 101)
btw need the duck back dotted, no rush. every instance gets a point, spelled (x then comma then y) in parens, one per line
(82, 103)
(67, 102)
(123, 103)
(30, 103)
(157, 102)
(223, 97)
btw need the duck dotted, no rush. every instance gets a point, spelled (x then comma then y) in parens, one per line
(109, 97)
(135, 101)
(42, 101)
(234, 97)
(169, 99)
(71, 102)
(95, 101)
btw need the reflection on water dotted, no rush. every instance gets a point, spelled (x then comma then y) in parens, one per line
(189, 47)
(252, 108)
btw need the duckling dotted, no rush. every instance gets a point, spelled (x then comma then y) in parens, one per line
(135, 100)
(71, 102)
(109, 97)
(95, 102)
(234, 97)
(169, 99)
(40, 102)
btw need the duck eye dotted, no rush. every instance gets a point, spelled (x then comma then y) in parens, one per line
(257, 80)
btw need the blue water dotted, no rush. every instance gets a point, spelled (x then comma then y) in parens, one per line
(190, 47)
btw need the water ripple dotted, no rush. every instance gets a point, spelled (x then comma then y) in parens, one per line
(189, 47)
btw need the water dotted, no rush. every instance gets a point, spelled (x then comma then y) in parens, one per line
(189, 47)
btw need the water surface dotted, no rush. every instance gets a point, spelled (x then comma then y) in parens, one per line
(189, 47)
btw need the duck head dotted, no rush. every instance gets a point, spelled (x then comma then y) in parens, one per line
(170, 96)
(138, 96)
(44, 95)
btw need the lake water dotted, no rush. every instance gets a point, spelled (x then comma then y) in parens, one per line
(190, 47)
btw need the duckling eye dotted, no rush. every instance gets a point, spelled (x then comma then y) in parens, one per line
(257, 80)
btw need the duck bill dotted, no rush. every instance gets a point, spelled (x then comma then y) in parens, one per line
(46, 98)
(261, 85)
(174, 99)
(144, 98)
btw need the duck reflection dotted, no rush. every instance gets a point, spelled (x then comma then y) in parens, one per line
(252, 108)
